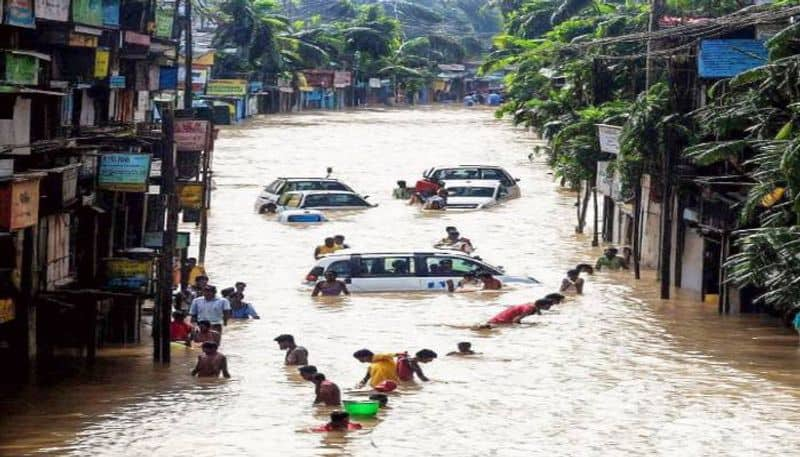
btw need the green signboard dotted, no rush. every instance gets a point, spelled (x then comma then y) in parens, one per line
(22, 69)
(164, 23)
(89, 12)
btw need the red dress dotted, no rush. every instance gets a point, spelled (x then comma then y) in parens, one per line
(329, 427)
(508, 315)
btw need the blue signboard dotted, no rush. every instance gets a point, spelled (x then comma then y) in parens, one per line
(111, 13)
(124, 172)
(116, 82)
(168, 78)
(727, 58)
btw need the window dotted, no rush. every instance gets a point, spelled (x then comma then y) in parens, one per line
(346, 200)
(273, 186)
(452, 266)
(331, 185)
(387, 266)
(290, 200)
(315, 185)
(503, 192)
(458, 173)
(341, 268)
(470, 192)
(493, 173)
(317, 201)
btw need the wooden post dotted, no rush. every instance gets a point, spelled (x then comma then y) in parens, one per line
(680, 240)
(161, 339)
(637, 221)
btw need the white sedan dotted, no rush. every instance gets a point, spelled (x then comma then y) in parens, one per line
(479, 194)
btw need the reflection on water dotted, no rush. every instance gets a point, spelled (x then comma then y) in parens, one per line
(615, 372)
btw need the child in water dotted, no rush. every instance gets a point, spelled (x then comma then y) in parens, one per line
(407, 366)
(340, 422)
(464, 349)
(211, 363)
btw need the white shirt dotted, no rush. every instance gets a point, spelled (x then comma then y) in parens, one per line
(209, 310)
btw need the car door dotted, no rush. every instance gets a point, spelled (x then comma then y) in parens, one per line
(436, 270)
(317, 201)
(385, 273)
(505, 179)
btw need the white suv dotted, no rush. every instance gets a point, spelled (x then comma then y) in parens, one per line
(469, 194)
(475, 173)
(403, 270)
(274, 190)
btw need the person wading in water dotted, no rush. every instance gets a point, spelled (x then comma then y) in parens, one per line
(330, 287)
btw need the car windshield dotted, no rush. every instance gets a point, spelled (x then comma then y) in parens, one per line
(470, 192)
(315, 185)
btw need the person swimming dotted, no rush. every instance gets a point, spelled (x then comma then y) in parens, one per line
(464, 349)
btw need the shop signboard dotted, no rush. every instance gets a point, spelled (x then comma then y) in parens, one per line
(116, 82)
(101, 57)
(342, 79)
(190, 194)
(164, 22)
(609, 138)
(89, 12)
(19, 13)
(124, 172)
(227, 87)
(729, 57)
(111, 13)
(155, 240)
(19, 204)
(128, 274)
(53, 10)
(139, 39)
(374, 83)
(22, 69)
(168, 78)
(191, 134)
(7, 310)
(79, 40)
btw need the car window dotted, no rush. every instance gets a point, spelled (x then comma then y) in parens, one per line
(458, 173)
(341, 268)
(494, 173)
(450, 266)
(317, 200)
(330, 185)
(346, 200)
(273, 186)
(503, 192)
(470, 192)
(387, 266)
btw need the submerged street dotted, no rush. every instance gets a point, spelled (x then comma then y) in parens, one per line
(616, 371)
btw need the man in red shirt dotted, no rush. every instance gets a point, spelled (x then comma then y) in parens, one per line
(179, 329)
(515, 314)
(340, 422)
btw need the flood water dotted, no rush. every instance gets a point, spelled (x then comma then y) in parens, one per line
(615, 372)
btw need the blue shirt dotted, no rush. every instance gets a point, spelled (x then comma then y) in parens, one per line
(244, 312)
(209, 310)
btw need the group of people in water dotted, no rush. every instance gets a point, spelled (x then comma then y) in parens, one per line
(386, 371)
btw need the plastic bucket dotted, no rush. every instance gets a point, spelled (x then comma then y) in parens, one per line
(361, 408)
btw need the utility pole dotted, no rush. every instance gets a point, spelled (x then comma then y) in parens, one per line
(161, 340)
(187, 78)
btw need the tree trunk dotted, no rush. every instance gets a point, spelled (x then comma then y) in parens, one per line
(637, 221)
(582, 209)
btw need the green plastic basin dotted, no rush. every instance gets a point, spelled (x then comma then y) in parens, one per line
(361, 408)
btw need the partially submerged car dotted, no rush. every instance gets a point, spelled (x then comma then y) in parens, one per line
(272, 192)
(434, 175)
(475, 194)
(427, 270)
(322, 200)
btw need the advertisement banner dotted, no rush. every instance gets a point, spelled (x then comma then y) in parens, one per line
(190, 134)
(137, 38)
(101, 57)
(89, 12)
(164, 22)
(342, 79)
(227, 87)
(111, 13)
(19, 205)
(190, 194)
(168, 78)
(124, 172)
(155, 240)
(22, 69)
(82, 41)
(128, 274)
(20, 13)
(54, 10)
(116, 82)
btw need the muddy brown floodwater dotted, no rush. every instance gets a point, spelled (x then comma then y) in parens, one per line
(616, 372)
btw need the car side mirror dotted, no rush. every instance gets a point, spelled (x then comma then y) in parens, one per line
(516, 179)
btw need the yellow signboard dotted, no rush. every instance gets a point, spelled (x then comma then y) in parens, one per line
(227, 87)
(101, 57)
(128, 274)
(191, 195)
(7, 311)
